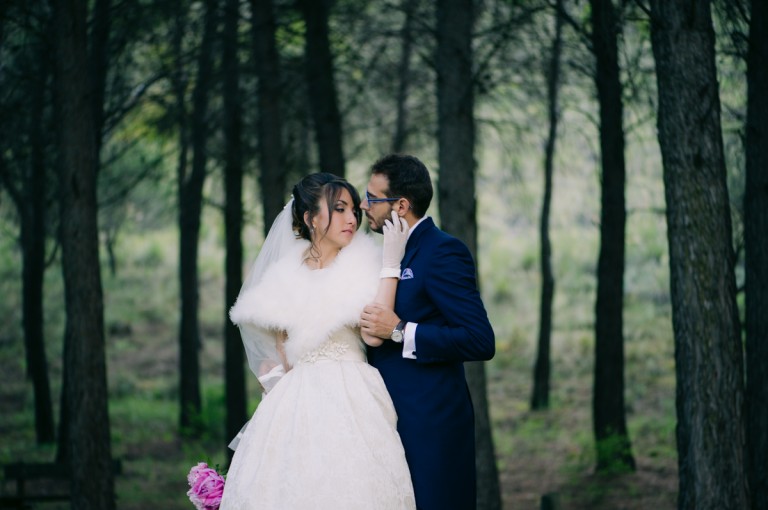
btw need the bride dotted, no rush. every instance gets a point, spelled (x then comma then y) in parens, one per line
(324, 436)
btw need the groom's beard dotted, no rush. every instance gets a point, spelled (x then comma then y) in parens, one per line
(374, 226)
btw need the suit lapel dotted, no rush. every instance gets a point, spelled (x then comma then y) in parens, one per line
(414, 242)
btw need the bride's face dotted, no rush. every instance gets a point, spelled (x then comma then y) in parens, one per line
(337, 230)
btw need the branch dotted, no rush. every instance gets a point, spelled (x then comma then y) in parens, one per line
(644, 8)
(117, 115)
(577, 27)
(506, 30)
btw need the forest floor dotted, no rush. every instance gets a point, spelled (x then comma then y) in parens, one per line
(542, 452)
(539, 453)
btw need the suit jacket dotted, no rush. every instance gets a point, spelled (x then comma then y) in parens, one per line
(437, 290)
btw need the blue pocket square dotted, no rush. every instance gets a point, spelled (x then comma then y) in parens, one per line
(407, 274)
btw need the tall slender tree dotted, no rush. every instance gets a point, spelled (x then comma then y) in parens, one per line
(24, 178)
(33, 233)
(92, 481)
(269, 117)
(608, 409)
(98, 64)
(756, 256)
(541, 372)
(708, 353)
(321, 86)
(234, 369)
(456, 192)
(190, 209)
(404, 75)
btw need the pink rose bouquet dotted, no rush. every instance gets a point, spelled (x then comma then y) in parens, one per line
(207, 487)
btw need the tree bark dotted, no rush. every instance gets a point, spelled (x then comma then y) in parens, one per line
(98, 66)
(404, 76)
(540, 396)
(234, 370)
(33, 234)
(710, 394)
(270, 120)
(63, 443)
(456, 145)
(92, 481)
(190, 210)
(321, 86)
(24, 180)
(612, 442)
(756, 256)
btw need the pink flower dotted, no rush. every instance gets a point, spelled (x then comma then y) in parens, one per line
(207, 487)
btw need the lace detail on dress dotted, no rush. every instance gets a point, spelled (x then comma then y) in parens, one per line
(344, 345)
(331, 350)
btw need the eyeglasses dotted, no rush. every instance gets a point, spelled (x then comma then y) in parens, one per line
(374, 200)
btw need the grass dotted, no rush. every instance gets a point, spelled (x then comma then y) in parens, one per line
(538, 452)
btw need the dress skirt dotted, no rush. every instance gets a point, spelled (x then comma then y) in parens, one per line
(325, 437)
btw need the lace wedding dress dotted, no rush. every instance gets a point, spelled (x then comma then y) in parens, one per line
(324, 437)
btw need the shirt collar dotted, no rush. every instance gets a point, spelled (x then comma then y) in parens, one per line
(416, 225)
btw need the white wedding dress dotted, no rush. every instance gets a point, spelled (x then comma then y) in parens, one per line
(324, 437)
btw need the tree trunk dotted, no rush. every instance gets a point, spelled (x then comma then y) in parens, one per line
(270, 124)
(456, 145)
(92, 481)
(98, 66)
(190, 209)
(234, 369)
(404, 76)
(63, 445)
(614, 449)
(33, 221)
(321, 86)
(756, 256)
(710, 395)
(28, 192)
(540, 396)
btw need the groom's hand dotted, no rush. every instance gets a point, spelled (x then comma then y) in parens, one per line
(378, 320)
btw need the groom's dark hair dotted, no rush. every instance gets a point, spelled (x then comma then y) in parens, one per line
(408, 178)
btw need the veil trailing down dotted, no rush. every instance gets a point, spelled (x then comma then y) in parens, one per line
(325, 433)
(260, 346)
(260, 343)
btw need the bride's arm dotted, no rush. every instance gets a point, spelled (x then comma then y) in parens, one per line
(395, 238)
(282, 336)
(272, 370)
(385, 297)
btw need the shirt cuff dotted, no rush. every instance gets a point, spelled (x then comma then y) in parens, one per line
(409, 340)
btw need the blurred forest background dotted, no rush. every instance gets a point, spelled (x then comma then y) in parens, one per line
(606, 161)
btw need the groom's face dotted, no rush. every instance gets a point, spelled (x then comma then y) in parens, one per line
(376, 209)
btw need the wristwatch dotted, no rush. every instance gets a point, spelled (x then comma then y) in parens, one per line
(397, 333)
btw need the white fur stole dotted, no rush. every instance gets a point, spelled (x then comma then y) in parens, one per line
(310, 305)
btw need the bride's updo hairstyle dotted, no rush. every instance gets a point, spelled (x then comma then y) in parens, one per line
(306, 198)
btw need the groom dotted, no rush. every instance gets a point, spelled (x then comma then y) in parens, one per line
(438, 323)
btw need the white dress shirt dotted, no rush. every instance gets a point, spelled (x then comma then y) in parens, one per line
(409, 333)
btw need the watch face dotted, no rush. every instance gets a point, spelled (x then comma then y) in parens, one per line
(397, 335)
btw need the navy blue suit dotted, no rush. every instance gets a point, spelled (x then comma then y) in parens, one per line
(438, 290)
